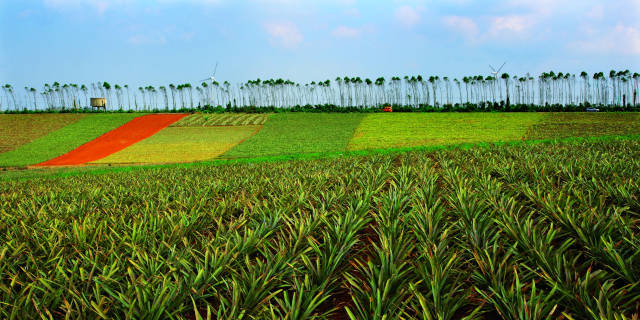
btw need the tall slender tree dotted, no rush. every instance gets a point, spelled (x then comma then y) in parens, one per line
(505, 77)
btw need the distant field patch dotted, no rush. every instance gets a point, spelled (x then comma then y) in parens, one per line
(584, 124)
(289, 133)
(19, 129)
(222, 119)
(65, 139)
(183, 144)
(394, 130)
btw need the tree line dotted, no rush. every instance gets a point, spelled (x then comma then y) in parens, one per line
(617, 88)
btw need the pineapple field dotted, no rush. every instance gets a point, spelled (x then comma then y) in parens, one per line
(528, 231)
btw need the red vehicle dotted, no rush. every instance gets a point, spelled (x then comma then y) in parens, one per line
(387, 109)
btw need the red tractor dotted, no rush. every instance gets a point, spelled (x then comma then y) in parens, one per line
(387, 109)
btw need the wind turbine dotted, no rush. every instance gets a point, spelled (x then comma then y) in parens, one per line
(212, 78)
(495, 76)
(495, 73)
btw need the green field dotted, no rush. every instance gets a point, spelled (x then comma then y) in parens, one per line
(183, 144)
(65, 139)
(290, 133)
(495, 233)
(20, 129)
(395, 130)
(221, 119)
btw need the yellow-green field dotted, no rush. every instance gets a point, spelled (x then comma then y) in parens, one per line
(183, 144)
(397, 130)
(222, 119)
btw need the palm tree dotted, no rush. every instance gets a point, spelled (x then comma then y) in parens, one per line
(612, 77)
(126, 86)
(172, 88)
(152, 99)
(585, 89)
(465, 80)
(636, 79)
(457, 82)
(35, 101)
(505, 77)
(163, 89)
(118, 95)
(8, 90)
(180, 86)
(446, 85)
(84, 90)
(107, 87)
(433, 82)
(189, 88)
(482, 97)
(144, 100)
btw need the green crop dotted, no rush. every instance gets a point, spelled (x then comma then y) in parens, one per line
(225, 119)
(528, 231)
(292, 133)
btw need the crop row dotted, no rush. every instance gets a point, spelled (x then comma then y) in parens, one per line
(209, 120)
(518, 232)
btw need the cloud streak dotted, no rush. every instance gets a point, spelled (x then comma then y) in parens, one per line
(346, 32)
(407, 16)
(100, 6)
(285, 34)
(621, 39)
(464, 25)
(350, 32)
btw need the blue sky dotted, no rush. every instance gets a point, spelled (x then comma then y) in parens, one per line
(155, 42)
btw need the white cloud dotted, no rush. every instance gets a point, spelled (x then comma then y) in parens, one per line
(102, 6)
(346, 32)
(540, 7)
(407, 15)
(597, 12)
(285, 34)
(99, 5)
(510, 25)
(464, 25)
(620, 39)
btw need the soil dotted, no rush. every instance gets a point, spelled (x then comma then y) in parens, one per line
(115, 140)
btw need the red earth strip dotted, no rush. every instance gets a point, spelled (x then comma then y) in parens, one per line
(115, 140)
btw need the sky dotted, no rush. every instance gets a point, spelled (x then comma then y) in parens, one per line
(157, 42)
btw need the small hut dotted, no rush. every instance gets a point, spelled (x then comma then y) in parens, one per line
(99, 103)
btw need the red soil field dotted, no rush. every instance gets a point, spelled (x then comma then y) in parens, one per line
(115, 140)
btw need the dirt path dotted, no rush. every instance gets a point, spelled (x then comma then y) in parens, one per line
(115, 140)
